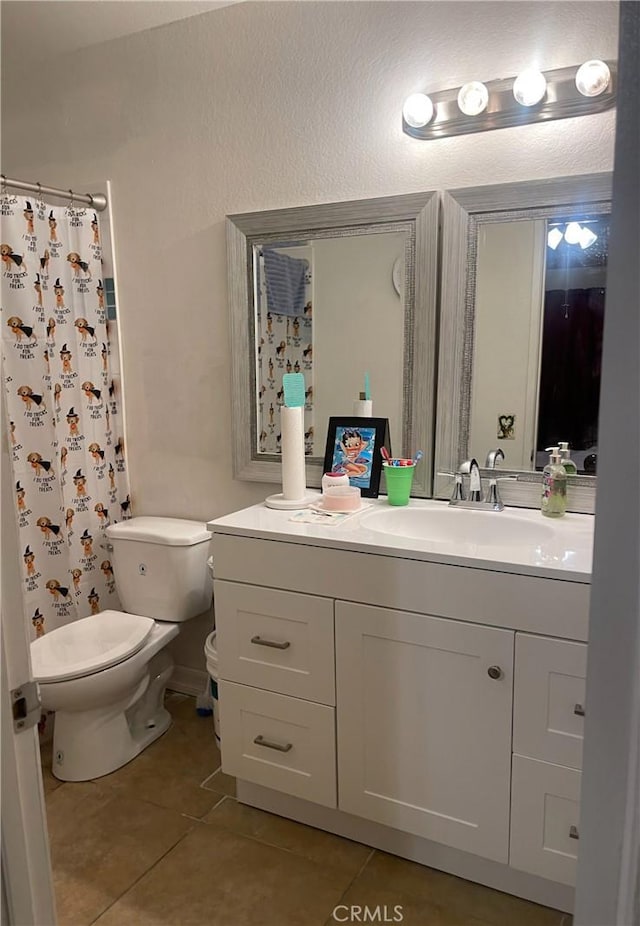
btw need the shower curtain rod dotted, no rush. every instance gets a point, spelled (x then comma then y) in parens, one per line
(97, 201)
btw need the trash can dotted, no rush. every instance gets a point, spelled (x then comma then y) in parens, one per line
(211, 656)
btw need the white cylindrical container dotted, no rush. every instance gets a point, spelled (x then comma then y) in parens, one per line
(294, 484)
(363, 408)
(334, 479)
(211, 655)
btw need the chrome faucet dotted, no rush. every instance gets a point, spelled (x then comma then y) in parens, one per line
(492, 500)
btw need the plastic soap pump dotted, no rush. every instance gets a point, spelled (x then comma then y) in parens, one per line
(570, 467)
(554, 486)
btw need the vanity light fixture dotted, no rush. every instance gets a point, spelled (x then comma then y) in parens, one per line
(531, 96)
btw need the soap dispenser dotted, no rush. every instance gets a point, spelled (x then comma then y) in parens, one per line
(570, 467)
(554, 486)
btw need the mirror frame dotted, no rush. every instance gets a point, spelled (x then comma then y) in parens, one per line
(463, 210)
(418, 213)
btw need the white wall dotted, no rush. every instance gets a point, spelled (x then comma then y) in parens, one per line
(358, 321)
(263, 106)
(506, 352)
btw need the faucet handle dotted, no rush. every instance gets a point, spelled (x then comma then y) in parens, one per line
(471, 468)
(493, 457)
(493, 495)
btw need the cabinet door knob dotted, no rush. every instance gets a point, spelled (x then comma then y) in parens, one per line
(495, 672)
(285, 644)
(281, 747)
(579, 710)
(573, 832)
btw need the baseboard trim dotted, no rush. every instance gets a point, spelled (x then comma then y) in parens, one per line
(454, 861)
(188, 681)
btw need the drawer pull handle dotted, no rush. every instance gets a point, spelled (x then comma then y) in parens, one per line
(494, 672)
(573, 832)
(261, 741)
(579, 710)
(274, 643)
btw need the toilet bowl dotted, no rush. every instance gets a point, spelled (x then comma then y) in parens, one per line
(105, 675)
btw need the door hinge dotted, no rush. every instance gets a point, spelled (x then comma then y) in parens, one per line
(25, 704)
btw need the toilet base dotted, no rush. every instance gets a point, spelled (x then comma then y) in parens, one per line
(90, 744)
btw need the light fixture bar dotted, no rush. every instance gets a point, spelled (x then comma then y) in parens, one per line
(561, 101)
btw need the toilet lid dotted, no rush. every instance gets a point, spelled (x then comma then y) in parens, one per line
(88, 645)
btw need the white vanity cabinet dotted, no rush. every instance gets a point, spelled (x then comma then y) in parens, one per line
(425, 707)
(424, 725)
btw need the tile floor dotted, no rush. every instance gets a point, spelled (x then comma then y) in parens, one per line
(163, 842)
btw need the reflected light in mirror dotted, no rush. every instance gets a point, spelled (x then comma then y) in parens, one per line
(573, 232)
(587, 238)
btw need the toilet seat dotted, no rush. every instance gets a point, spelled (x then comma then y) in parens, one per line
(89, 645)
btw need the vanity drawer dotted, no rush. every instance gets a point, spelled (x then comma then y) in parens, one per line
(278, 640)
(550, 680)
(545, 818)
(279, 742)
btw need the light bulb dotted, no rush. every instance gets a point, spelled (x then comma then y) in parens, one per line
(473, 98)
(587, 238)
(593, 78)
(529, 87)
(573, 233)
(417, 110)
(554, 238)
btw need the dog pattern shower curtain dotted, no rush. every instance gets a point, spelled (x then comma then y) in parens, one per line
(62, 409)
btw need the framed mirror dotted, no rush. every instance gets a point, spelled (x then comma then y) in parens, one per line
(522, 309)
(344, 293)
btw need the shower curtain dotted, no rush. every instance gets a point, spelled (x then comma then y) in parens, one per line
(62, 409)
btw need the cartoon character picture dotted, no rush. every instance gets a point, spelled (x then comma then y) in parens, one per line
(20, 500)
(296, 367)
(56, 590)
(506, 427)
(29, 561)
(38, 288)
(12, 432)
(38, 464)
(112, 477)
(84, 329)
(53, 226)
(289, 367)
(91, 391)
(107, 569)
(30, 398)
(100, 294)
(76, 575)
(296, 327)
(119, 447)
(44, 262)
(28, 217)
(78, 265)
(125, 506)
(104, 353)
(63, 458)
(80, 482)
(38, 622)
(95, 229)
(10, 258)
(280, 349)
(68, 518)
(308, 310)
(65, 357)
(58, 291)
(72, 421)
(353, 445)
(94, 601)
(51, 328)
(20, 330)
(49, 529)
(102, 512)
(307, 353)
(87, 543)
(57, 394)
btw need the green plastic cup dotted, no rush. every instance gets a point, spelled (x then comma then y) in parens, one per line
(399, 480)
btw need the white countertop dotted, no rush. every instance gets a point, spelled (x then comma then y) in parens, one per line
(566, 553)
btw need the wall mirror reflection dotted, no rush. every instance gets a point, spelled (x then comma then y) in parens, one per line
(522, 318)
(339, 293)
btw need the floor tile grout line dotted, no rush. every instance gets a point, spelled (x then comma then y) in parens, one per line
(144, 874)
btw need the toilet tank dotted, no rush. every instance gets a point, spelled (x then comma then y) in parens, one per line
(160, 567)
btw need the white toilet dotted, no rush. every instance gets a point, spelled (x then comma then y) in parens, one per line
(105, 675)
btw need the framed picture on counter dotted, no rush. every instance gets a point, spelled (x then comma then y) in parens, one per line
(353, 448)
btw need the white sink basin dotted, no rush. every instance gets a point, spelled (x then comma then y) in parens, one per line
(462, 528)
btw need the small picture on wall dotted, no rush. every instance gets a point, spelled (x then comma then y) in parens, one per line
(353, 448)
(506, 427)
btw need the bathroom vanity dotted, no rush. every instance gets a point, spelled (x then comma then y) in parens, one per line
(413, 679)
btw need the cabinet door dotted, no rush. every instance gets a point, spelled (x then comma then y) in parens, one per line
(424, 731)
(545, 818)
(281, 641)
(548, 711)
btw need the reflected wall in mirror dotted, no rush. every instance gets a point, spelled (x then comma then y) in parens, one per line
(524, 284)
(334, 292)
